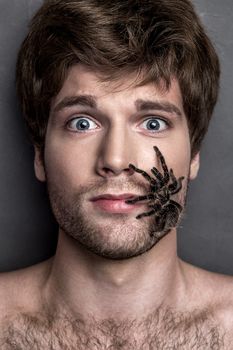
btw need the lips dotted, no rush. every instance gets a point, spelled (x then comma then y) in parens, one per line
(123, 196)
(115, 203)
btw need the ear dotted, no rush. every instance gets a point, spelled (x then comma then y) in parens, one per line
(39, 165)
(194, 166)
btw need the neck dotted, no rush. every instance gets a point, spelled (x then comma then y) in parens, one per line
(82, 283)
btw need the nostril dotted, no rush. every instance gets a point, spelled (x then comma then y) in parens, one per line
(108, 171)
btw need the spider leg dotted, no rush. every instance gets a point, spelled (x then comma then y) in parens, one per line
(172, 175)
(140, 198)
(179, 186)
(146, 214)
(176, 185)
(166, 176)
(143, 173)
(164, 196)
(155, 207)
(157, 174)
(154, 188)
(160, 178)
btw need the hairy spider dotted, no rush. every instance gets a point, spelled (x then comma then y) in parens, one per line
(162, 187)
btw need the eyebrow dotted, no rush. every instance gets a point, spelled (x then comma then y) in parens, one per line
(69, 101)
(140, 104)
(165, 106)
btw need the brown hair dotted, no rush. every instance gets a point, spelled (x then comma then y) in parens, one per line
(162, 38)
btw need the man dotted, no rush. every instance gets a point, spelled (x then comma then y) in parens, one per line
(117, 97)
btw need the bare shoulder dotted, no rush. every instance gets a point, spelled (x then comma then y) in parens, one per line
(20, 289)
(211, 290)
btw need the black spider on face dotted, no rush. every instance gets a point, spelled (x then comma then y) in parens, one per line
(162, 187)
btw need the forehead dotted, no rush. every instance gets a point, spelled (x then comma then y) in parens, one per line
(126, 90)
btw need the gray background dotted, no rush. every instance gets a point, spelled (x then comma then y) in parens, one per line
(28, 230)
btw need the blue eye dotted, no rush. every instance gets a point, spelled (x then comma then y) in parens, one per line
(82, 124)
(155, 124)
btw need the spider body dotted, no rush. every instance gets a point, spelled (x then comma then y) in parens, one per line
(162, 187)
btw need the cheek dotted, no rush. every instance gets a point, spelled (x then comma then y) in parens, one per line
(178, 156)
(66, 165)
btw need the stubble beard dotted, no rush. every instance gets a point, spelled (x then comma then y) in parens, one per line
(112, 236)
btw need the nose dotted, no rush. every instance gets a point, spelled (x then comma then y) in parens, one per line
(116, 151)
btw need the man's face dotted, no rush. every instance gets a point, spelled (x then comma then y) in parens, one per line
(95, 130)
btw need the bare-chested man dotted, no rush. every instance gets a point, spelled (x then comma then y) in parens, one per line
(117, 97)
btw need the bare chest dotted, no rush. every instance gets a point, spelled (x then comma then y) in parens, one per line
(171, 332)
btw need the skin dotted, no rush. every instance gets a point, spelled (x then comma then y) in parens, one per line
(108, 152)
(87, 277)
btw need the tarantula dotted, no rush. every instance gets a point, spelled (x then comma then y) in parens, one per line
(162, 187)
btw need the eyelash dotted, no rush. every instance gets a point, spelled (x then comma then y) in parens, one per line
(167, 122)
(82, 117)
